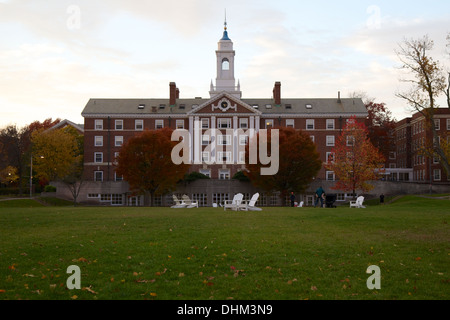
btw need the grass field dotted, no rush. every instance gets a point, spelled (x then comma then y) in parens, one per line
(206, 253)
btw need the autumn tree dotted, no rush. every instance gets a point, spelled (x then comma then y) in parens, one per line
(380, 127)
(428, 82)
(145, 163)
(355, 161)
(58, 156)
(299, 163)
(14, 145)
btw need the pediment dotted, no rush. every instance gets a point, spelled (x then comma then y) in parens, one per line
(224, 103)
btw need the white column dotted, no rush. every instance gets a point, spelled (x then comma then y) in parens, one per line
(197, 141)
(191, 139)
(235, 140)
(213, 139)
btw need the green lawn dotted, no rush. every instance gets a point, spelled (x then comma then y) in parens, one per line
(206, 253)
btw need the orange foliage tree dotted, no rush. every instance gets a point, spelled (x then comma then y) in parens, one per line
(299, 163)
(355, 161)
(145, 163)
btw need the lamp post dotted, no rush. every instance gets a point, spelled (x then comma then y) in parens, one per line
(31, 174)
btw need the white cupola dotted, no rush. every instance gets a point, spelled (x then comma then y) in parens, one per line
(225, 80)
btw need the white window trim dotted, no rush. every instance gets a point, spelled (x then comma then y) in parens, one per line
(98, 141)
(118, 125)
(139, 123)
(310, 122)
(159, 124)
(98, 154)
(118, 141)
(98, 125)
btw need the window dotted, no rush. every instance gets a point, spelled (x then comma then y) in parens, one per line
(290, 123)
(224, 140)
(205, 123)
(205, 140)
(162, 106)
(437, 174)
(330, 141)
(392, 155)
(350, 141)
(224, 157)
(141, 106)
(243, 123)
(288, 106)
(180, 124)
(268, 106)
(118, 141)
(269, 123)
(139, 125)
(243, 140)
(448, 124)
(159, 124)
(119, 124)
(330, 175)
(224, 174)
(223, 123)
(205, 156)
(437, 124)
(98, 157)
(330, 124)
(309, 124)
(206, 172)
(225, 64)
(308, 106)
(117, 178)
(330, 157)
(98, 176)
(98, 141)
(98, 124)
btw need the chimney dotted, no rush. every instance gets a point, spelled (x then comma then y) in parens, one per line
(339, 97)
(277, 93)
(173, 94)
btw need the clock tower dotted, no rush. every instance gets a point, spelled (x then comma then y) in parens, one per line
(225, 68)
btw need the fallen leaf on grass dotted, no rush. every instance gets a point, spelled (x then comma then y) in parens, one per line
(88, 289)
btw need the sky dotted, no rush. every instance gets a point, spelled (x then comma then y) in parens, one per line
(57, 54)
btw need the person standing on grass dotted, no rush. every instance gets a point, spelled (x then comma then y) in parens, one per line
(292, 199)
(382, 199)
(319, 193)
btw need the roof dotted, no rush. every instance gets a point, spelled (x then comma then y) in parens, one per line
(64, 123)
(161, 107)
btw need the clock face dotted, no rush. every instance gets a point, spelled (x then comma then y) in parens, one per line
(224, 104)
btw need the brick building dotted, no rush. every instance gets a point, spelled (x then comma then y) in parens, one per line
(111, 122)
(412, 135)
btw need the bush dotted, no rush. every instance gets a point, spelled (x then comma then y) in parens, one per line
(50, 189)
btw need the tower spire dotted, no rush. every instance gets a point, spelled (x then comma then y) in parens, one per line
(225, 28)
(225, 24)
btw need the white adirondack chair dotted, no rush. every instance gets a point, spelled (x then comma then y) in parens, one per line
(250, 205)
(233, 204)
(358, 203)
(178, 203)
(189, 203)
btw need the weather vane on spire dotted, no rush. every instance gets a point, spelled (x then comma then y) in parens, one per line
(225, 24)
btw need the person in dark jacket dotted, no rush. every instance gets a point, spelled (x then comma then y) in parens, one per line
(292, 199)
(319, 193)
